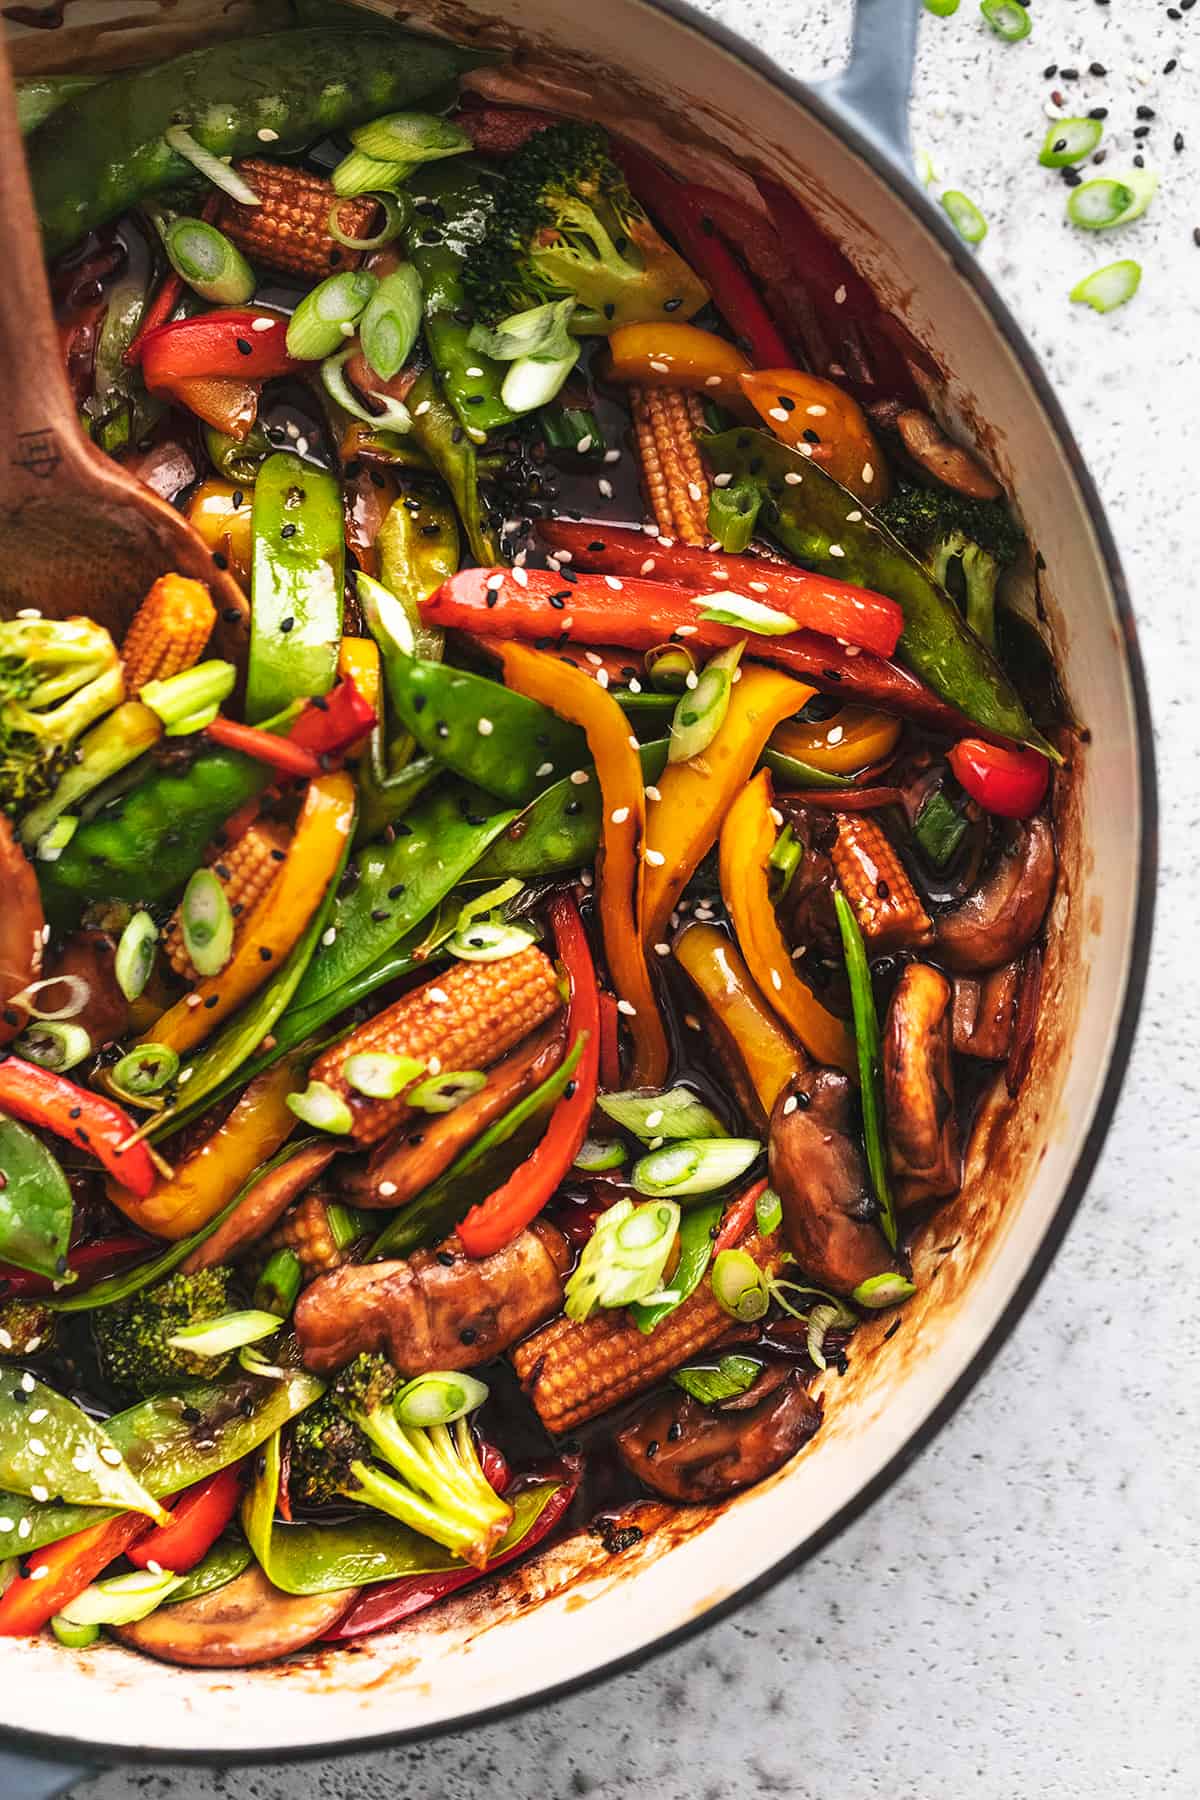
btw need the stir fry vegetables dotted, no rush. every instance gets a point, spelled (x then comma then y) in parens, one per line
(542, 955)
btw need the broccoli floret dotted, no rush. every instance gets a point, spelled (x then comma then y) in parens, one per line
(131, 1337)
(944, 528)
(432, 1480)
(565, 224)
(26, 1327)
(57, 676)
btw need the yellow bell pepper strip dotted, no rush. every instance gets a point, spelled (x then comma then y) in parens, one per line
(221, 512)
(747, 839)
(683, 824)
(325, 822)
(665, 354)
(854, 738)
(207, 1181)
(358, 661)
(620, 873)
(763, 1048)
(821, 420)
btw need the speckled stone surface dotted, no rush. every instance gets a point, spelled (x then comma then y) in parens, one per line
(1018, 1616)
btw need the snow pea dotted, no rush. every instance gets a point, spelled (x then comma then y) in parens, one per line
(384, 797)
(390, 887)
(561, 829)
(801, 774)
(298, 575)
(41, 95)
(504, 742)
(418, 550)
(36, 1208)
(224, 1562)
(452, 454)
(169, 1443)
(452, 202)
(102, 151)
(697, 1229)
(49, 1447)
(826, 528)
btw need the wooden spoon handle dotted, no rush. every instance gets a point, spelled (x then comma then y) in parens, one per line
(38, 426)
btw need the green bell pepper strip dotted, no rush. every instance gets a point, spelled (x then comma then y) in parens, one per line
(49, 1447)
(870, 1070)
(437, 432)
(321, 1558)
(41, 95)
(826, 528)
(104, 150)
(237, 459)
(697, 1229)
(452, 202)
(396, 884)
(36, 1208)
(505, 743)
(490, 1160)
(298, 575)
(168, 1448)
(560, 830)
(418, 550)
(802, 774)
(223, 1563)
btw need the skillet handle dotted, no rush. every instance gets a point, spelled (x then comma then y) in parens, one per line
(872, 91)
(27, 1778)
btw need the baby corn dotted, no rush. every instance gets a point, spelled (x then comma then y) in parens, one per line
(246, 870)
(289, 231)
(666, 422)
(877, 886)
(168, 632)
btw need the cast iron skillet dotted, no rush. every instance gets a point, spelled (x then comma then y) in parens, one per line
(867, 106)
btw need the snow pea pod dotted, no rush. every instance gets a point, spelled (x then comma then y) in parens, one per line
(298, 576)
(49, 1447)
(560, 830)
(36, 1208)
(801, 774)
(385, 797)
(41, 95)
(224, 1562)
(452, 454)
(418, 550)
(102, 151)
(826, 528)
(507, 744)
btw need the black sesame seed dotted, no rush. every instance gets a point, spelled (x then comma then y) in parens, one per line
(419, 701)
(446, 1258)
(1146, 112)
(1097, 69)
(286, 625)
(475, 399)
(231, 615)
(220, 560)
(468, 1334)
(287, 531)
(811, 436)
(1169, 67)
(265, 954)
(786, 402)
(244, 349)
(1050, 71)
(1141, 131)
(208, 1006)
(379, 914)
(1072, 177)
(1069, 74)
(238, 498)
(882, 889)
(1178, 140)
(1139, 162)
(493, 598)
(558, 601)
(1098, 112)
(395, 891)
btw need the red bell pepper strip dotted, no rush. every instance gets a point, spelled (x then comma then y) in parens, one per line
(59, 1573)
(675, 208)
(334, 721)
(244, 344)
(1011, 783)
(94, 1260)
(198, 1518)
(166, 299)
(739, 1217)
(42, 1098)
(277, 752)
(505, 1213)
(502, 130)
(837, 609)
(495, 1467)
(391, 1601)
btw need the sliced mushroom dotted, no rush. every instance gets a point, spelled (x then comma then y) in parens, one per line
(983, 1012)
(941, 457)
(260, 1210)
(818, 1172)
(918, 1088)
(1000, 919)
(685, 1451)
(90, 956)
(245, 1622)
(22, 924)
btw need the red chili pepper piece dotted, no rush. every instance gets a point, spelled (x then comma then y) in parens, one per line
(41, 1098)
(94, 1260)
(277, 752)
(245, 344)
(333, 724)
(505, 1213)
(1011, 783)
(59, 1573)
(198, 1518)
(739, 1217)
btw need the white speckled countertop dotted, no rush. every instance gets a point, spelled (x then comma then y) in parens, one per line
(1018, 1615)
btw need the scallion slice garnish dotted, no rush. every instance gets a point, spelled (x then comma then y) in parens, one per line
(538, 331)
(701, 711)
(1007, 18)
(381, 1076)
(439, 1399)
(319, 1106)
(669, 665)
(189, 701)
(1111, 200)
(489, 940)
(358, 173)
(121, 1599)
(725, 1380)
(410, 137)
(216, 1337)
(396, 212)
(768, 1212)
(315, 329)
(213, 267)
(595, 1155)
(54, 1046)
(73, 1637)
(443, 1093)
(733, 514)
(739, 1286)
(72, 992)
(393, 416)
(694, 1165)
(135, 955)
(624, 1258)
(206, 921)
(53, 842)
(533, 380)
(213, 168)
(389, 326)
(147, 1069)
(745, 614)
(939, 828)
(1069, 141)
(965, 216)
(1106, 289)
(880, 1291)
(677, 1113)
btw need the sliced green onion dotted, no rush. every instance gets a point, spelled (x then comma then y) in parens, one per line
(190, 700)
(322, 1108)
(822, 1320)
(52, 1046)
(746, 614)
(379, 1075)
(669, 665)
(389, 327)
(213, 168)
(255, 1363)
(939, 829)
(965, 216)
(733, 515)
(787, 853)
(146, 1070)
(488, 902)
(53, 842)
(387, 620)
(624, 1258)
(725, 1380)
(595, 1155)
(539, 331)
(411, 137)
(73, 1637)
(315, 328)
(572, 428)
(346, 1224)
(439, 1399)
(866, 1038)
(880, 1291)
(206, 921)
(489, 940)
(443, 1093)
(1069, 141)
(395, 415)
(396, 214)
(358, 173)
(1112, 200)
(212, 266)
(768, 1212)
(676, 1113)
(1105, 289)
(694, 1166)
(533, 380)
(701, 711)
(739, 1286)
(122, 1599)
(75, 988)
(135, 955)
(218, 1336)
(279, 1284)
(1007, 18)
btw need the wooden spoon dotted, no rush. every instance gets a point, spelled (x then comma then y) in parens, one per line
(78, 534)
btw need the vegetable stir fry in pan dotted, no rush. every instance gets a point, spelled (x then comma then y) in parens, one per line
(489, 1045)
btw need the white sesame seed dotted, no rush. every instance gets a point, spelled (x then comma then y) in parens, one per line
(596, 660)
(635, 686)
(692, 680)
(43, 1569)
(439, 995)
(194, 1000)
(434, 1065)
(347, 328)
(475, 373)
(301, 446)
(6, 1524)
(154, 1567)
(662, 949)
(793, 478)
(713, 380)
(757, 587)
(38, 1492)
(485, 728)
(110, 1455)
(565, 555)
(545, 768)
(606, 488)
(633, 741)
(836, 550)
(421, 408)
(585, 878)
(476, 437)
(655, 858)
(776, 817)
(660, 366)
(722, 480)
(602, 677)
(790, 1105)
(776, 980)
(686, 630)
(328, 936)
(780, 413)
(495, 582)
(868, 471)
(585, 443)
(655, 1143)
(839, 296)
(612, 456)
(262, 324)
(624, 1006)
(387, 1189)
(37, 1446)
(619, 815)
(292, 429)
(655, 1118)
(579, 777)
(805, 449)
(647, 566)
(81, 1462)
(28, 1383)
(28, 612)
(853, 649)
(25, 1529)
(816, 412)
(853, 518)
(652, 792)
(835, 735)
(6, 1342)
(265, 135)
(520, 577)
(616, 585)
